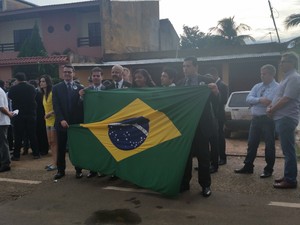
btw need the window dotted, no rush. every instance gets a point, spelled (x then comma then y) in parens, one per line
(67, 27)
(50, 29)
(238, 100)
(20, 37)
(94, 34)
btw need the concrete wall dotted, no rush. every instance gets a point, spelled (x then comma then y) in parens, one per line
(13, 5)
(5, 73)
(169, 39)
(60, 39)
(7, 28)
(130, 26)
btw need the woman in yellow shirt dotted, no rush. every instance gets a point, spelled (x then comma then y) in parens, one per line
(45, 83)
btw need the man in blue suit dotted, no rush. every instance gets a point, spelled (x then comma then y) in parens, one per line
(65, 97)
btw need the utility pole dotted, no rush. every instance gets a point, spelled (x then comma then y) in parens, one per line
(271, 9)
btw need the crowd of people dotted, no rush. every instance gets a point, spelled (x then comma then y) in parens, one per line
(38, 114)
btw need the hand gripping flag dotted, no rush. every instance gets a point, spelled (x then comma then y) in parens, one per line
(141, 135)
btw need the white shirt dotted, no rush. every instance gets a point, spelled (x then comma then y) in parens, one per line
(4, 119)
(120, 84)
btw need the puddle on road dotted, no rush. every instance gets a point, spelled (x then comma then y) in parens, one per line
(116, 217)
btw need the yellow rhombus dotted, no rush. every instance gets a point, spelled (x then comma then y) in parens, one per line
(161, 128)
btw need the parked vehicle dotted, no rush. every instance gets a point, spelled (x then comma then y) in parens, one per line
(238, 114)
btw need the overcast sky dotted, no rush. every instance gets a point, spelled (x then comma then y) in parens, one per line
(206, 14)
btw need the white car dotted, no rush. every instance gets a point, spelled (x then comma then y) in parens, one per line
(238, 114)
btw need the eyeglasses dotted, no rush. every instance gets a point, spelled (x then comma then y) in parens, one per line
(68, 72)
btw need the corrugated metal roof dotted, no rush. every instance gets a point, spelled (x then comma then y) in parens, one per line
(58, 59)
(174, 60)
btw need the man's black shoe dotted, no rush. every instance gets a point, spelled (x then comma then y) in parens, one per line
(244, 170)
(213, 169)
(36, 157)
(4, 168)
(222, 162)
(184, 188)
(59, 175)
(113, 178)
(91, 174)
(206, 192)
(78, 175)
(15, 159)
(265, 174)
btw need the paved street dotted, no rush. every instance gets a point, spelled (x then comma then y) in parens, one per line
(28, 196)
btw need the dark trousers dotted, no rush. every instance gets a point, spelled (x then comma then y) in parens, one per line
(62, 139)
(221, 140)
(25, 125)
(214, 151)
(200, 149)
(10, 138)
(42, 136)
(261, 127)
(4, 149)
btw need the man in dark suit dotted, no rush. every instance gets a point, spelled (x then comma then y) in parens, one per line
(22, 96)
(207, 126)
(96, 85)
(117, 78)
(65, 97)
(221, 158)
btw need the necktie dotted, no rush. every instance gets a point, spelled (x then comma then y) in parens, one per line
(117, 85)
(187, 82)
(262, 92)
(69, 95)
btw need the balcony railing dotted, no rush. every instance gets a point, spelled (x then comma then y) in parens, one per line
(8, 47)
(89, 41)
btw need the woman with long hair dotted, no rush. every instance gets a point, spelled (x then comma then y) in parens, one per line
(45, 84)
(142, 78)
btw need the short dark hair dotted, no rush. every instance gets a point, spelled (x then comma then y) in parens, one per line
(20, 76)
(193, 59)
(213, 71)
(292, 57)
(69, 66)
(172, 73)
(2, 84)
(97, 69)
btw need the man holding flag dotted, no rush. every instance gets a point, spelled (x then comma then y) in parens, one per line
(207, 126)
(141, 135)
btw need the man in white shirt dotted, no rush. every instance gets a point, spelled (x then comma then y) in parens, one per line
(5, 116)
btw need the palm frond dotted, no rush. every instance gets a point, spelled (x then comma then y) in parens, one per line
(292, 21)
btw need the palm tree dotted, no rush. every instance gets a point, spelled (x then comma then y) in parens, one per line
(292, 21)
(228, 29)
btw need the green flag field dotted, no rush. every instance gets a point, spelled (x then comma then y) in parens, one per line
(141, 135)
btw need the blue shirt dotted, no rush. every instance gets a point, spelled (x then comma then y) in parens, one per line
(288, 87)
(258, 91)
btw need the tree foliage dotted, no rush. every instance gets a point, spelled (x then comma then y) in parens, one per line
(33, 46)
(226, 33)
(193, 38)
(229, 30)
(292, 20)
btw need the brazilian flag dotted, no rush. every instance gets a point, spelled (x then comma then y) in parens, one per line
(141, 135)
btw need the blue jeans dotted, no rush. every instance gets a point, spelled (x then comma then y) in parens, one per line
(285, 128)
(261, 126)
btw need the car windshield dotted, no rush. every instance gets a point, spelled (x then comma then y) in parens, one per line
(238, 100)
